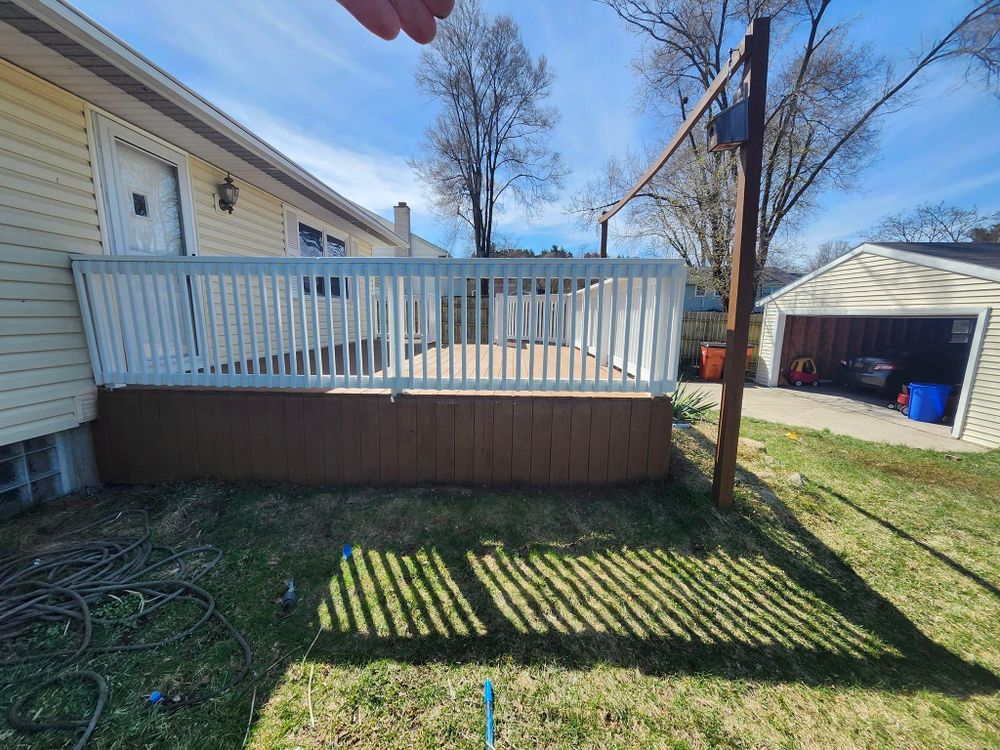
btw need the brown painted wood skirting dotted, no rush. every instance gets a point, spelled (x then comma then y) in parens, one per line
(150, 435)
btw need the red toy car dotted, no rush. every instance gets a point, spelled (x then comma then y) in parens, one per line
(802, 371)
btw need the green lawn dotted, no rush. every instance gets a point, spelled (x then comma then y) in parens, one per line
(860, 610)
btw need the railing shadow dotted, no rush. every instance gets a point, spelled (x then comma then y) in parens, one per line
(655, 581)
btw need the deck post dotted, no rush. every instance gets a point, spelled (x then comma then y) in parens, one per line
(604, 238)
(741, 289)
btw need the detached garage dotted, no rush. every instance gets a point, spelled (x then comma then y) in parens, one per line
(934, 299)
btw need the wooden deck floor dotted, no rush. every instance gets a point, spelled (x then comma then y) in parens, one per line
(530, 361)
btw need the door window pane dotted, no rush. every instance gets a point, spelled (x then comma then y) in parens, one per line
(151, 212)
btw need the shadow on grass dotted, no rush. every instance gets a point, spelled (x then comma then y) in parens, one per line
(650, 578)
(953, 564)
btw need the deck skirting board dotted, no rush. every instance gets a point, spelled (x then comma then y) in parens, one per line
(153, 435)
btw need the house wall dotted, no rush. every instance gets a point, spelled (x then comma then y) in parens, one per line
(704, 303)
(49, 211)
(874, 283)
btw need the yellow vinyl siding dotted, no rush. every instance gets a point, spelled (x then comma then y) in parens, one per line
(876, 283)
(48, 210)
(254, 228)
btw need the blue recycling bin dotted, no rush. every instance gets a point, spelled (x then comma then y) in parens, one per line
(928, 401)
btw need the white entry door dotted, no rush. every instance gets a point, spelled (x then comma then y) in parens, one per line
(147, 193)
(148, 211)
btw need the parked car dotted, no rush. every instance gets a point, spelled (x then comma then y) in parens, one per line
(886, 372)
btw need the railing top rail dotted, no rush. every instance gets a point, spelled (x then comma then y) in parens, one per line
(458, 263)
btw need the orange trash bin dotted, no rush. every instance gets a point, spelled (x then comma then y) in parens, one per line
(713, 357)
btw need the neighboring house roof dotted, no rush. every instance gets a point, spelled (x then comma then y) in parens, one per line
(985, 254)
(976, 259)
(56, 42)
(771, 276)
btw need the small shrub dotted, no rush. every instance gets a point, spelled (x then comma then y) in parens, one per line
(691, 405)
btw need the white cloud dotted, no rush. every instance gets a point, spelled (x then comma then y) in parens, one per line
(373, 178)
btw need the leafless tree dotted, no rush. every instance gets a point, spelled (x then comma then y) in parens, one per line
(827, 252)
(489, 143)
(826, 97)
(933, 222)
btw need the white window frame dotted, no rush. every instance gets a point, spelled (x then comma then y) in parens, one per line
(294, 249)
(302, 217)
(106, 129)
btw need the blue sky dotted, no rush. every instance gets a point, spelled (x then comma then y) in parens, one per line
(342, 103)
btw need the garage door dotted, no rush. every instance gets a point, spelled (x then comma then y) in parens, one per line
(940, 345)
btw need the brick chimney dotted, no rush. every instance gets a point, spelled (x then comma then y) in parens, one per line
(401, 225)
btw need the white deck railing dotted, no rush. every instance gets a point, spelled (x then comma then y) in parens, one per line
(553, 324)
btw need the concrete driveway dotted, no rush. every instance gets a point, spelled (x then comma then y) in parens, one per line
(858, 414)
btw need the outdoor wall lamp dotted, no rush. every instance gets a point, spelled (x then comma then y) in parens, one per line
(228, 194)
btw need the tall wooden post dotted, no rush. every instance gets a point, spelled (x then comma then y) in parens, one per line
(604, 239)
(741, 290)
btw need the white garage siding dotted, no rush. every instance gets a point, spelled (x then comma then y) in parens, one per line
(870, 282)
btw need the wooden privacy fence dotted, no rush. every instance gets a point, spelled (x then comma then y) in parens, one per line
(711, 326)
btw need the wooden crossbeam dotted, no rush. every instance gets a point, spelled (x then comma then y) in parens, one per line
(752, 53)
(736, 57)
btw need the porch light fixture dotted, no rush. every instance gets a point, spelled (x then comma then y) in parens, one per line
(228, 194)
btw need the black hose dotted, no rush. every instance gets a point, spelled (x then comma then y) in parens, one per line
(63, 581)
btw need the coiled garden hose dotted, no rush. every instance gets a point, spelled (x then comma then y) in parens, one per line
(62, 582)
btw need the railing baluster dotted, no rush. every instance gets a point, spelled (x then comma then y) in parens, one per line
(477, 296)
(546, 323)
(370, 311)
(258, 379)
(411, 309)
(463, 300)
(676, 318)
(641, 320)
(238, 319)
(560, 324)
(301, 272)
(533, 325)
(279, 329)
(171, 282)
(356, 309)
(345, 322)
(331, 334)
(115, 343)
(613, 293)
(213, 329)
(317, 335)
(655, 366)
(439, 314)
(161, 328)
(627, 338)
(226, 328)
(428, 329)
